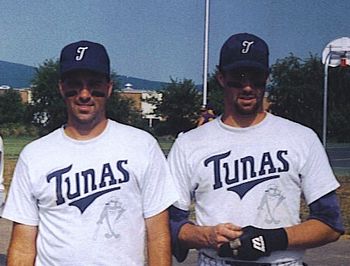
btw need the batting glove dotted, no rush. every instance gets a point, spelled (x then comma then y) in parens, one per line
(255, 243)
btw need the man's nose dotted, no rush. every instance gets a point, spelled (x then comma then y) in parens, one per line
(84, 94)
(247, 84)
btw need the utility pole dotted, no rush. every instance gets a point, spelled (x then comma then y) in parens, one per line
(205, 64)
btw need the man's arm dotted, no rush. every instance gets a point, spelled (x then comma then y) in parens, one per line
(158, 240)
(323, 226)
(309, 234)
(22, 249)
(200, 121)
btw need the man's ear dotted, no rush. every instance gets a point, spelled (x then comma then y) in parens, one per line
(267, 77)
(221, 79)
(110, 89)
(60, 89)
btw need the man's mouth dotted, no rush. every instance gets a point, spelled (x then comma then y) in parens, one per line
(247, 97)
(84, 107)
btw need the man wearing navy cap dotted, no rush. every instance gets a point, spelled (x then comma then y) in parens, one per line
(94, 191)
(246, 171)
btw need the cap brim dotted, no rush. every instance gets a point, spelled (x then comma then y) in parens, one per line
(246, 64)
(82, 68)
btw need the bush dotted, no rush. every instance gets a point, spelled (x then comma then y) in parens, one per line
(18, 130)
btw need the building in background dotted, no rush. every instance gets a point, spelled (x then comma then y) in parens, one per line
(140, 101)
(25, 93)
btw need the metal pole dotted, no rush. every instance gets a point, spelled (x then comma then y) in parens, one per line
(205, 65)
(325, 96)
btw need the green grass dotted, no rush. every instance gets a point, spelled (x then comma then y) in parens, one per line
(14, 145)
(165, 143)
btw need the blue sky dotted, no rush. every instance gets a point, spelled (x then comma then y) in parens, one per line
(159, 39)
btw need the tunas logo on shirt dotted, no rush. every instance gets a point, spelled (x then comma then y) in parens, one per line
(82, 188)
(242, 174)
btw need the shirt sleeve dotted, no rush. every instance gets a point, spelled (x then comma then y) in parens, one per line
(317, 177)
(178, 167)
(21, 205)
(158, 189)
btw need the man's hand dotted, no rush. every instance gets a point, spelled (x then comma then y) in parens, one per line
(255, 243)
(223, 233)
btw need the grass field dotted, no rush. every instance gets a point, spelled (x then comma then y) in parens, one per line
(13, 146)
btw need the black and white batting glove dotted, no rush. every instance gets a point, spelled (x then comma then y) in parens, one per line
(255, 243)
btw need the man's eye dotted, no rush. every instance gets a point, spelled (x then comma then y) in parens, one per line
(234, 84)
(98, 94)
(96, 83)
(68, 94)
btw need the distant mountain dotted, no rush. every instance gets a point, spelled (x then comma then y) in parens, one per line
(20, 76)
(16, 75)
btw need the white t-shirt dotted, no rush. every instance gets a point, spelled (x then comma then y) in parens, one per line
(251, 176)
(89, 198)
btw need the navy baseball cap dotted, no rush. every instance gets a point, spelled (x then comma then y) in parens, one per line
(244, 50)
(84, 55)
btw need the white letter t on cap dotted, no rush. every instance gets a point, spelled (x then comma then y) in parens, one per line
(80, 51)
(246, 45)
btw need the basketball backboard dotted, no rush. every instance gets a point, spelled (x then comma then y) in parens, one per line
(337, 52)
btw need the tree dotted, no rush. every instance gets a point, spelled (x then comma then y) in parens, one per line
(296, 92)
(215, 94)
(12, 109)
(338, 127)
(180, 105)
(48, 110)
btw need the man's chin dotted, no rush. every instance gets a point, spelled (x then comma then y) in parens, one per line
(247, 110)
(84, 119)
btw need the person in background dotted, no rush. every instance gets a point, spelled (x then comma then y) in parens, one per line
(207, 114)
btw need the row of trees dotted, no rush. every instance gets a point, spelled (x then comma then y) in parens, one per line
(295, 91)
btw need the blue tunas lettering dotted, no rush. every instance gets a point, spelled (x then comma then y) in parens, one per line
(69, 187)
(237, 171)
(89, 177)
(107, 172)
(247, 162)
(81, 188)
(58, 177)
(216, 159)
(283, 160)
(266, 162)
(123, 171)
